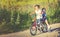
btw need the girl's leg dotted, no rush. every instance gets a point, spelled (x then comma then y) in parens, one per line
(47, 24)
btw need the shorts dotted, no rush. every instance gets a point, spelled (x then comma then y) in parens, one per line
(43, 19)
(38, 21)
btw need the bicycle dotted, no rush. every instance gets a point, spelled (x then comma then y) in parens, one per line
(42, 27)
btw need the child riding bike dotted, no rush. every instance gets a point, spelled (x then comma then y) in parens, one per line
(40, 15)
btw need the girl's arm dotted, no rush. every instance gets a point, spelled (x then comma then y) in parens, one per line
(32, 13)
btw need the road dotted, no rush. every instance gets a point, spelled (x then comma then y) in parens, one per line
(26, 33)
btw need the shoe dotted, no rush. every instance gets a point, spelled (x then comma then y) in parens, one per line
(48, 28)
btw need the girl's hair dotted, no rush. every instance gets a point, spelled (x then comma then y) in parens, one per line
(43, 9)
(37, 6)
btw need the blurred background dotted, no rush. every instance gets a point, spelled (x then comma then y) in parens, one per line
(14, 14)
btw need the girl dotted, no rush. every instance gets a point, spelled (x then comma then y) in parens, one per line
(44, 17)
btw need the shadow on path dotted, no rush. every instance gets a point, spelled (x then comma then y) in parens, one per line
(56, 29)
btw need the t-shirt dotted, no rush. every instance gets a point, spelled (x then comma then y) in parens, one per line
(44, 14)
(38, 14)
